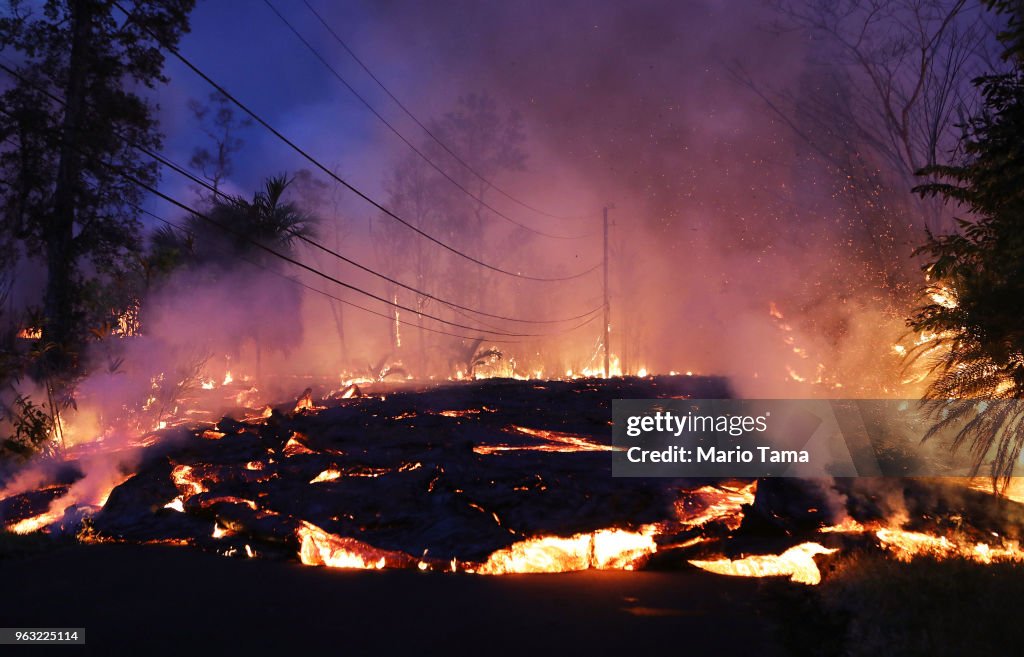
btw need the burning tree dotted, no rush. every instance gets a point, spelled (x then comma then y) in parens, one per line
(976, 274)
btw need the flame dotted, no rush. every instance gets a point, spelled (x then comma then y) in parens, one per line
(305, 402)
(30, 333)
(321, 548)
(177, 504)
(329, 474)
(35, 523)
(797, 563)
(944, 296)
(604, 549)
(295, 446)
(227, 378)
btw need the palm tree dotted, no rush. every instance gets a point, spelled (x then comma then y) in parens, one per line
(234, 229)
(239, 225)
(975, 307)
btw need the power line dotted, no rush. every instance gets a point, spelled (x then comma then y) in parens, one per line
(406, 141)
(182, 171)
(363, 308)
(319, 291)
(425, 129)
(133, 179)
(343, 182)
(302, 265)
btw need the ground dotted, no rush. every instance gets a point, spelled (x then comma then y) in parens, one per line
(157, 600)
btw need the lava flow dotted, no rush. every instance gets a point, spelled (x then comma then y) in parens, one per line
(411, 480)
(797, 563)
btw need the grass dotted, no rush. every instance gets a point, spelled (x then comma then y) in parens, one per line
(870, 605)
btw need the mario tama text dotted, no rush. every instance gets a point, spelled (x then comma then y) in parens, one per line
(719, 438)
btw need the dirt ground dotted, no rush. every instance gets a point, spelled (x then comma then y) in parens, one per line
(156, 600)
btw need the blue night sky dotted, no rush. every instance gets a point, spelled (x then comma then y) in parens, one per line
(617, 96)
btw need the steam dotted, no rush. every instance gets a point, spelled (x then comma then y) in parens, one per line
(719, 215)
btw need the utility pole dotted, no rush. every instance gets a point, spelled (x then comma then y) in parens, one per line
(607, 302)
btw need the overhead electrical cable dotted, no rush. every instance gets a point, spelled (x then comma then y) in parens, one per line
(184, 172)
(317, 245)
(405, 140)
(146, 186)
(355, 190)
(321, 292)
(430, 132)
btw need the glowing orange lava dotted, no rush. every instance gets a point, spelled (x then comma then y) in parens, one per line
(797, 563)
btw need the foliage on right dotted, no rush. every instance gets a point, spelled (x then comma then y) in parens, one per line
(975, 293)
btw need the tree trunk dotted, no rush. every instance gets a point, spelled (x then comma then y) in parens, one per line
(58, 231)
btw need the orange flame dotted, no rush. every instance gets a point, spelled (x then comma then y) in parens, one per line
(321, 548)
(797, 563)
(605, 549)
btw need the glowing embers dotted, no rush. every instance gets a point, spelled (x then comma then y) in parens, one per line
(258, 418)
(556, 441)
(605, 549)
(321, 548)
(797, 563)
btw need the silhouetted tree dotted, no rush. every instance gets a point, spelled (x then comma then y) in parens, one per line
(219, 251)
(491, 142)
(975, 300)
(63, 196)
(217, 120)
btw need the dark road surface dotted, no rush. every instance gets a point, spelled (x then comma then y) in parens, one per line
(155, 600)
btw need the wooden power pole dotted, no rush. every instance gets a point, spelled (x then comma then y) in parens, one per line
(607, 302)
